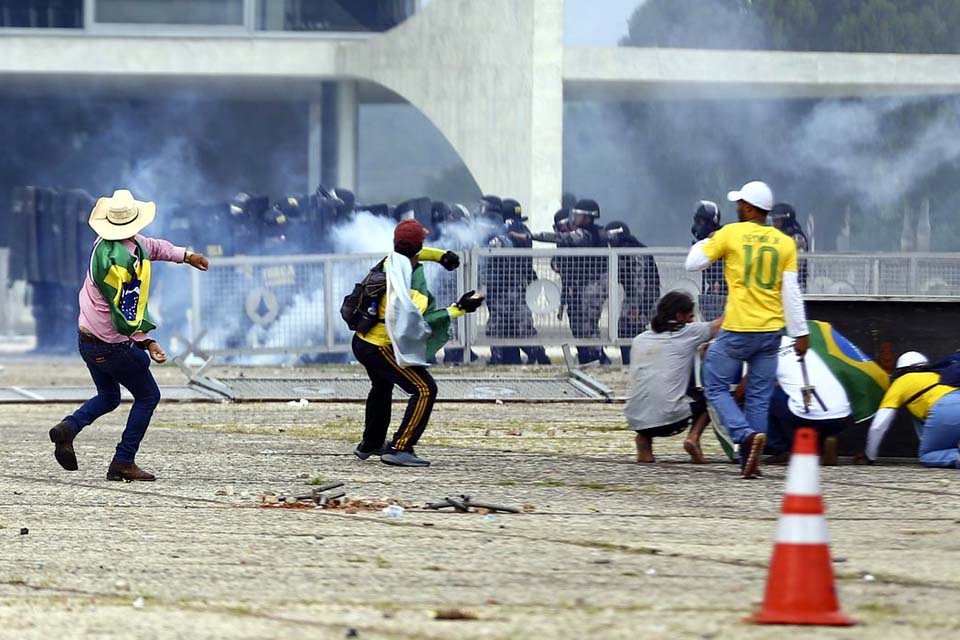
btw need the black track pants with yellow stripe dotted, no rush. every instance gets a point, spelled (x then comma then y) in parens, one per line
(384, 373)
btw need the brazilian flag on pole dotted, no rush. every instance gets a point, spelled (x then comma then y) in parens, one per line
(862, 378)
(124, 280)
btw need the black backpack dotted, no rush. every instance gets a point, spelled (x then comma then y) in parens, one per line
(949, 370)
(360, 308)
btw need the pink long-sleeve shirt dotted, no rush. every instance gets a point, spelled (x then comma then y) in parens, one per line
(94, 310)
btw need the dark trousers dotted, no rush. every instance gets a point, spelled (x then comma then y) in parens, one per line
(110, 366)
(384, 373)
(783, 423)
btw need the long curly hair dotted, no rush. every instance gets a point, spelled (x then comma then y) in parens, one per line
(672, 303)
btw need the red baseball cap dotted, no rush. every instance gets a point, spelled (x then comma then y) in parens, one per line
(410, 232)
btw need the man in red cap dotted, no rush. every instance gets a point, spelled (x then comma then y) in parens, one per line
(387, 364)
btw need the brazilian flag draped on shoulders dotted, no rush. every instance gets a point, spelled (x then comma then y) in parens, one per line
(437, 319)
(862, 378)
(124, 280)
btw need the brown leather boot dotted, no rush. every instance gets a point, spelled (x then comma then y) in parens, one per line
(61, 435)
(128, 472)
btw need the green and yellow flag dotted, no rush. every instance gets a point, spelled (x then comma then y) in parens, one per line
(862, 378)
(124, 280)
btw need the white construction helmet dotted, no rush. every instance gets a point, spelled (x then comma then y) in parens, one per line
(911, 359)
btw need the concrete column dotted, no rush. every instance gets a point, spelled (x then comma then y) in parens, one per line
(348, 117)
(314, 142)
(489, 75)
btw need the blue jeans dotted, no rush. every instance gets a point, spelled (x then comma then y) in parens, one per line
(940, 435)
(110, 366)
(722, 368)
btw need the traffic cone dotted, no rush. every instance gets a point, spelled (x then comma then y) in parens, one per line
(800, 587)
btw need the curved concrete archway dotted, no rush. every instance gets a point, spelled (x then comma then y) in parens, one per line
(489, 75)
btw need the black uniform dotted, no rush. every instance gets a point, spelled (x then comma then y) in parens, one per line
(506, 280)
(784, 217)
(713, 288)
(640, 279)
(584, 278)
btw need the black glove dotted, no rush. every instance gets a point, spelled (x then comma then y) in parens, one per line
(450, 261)
(470, 301)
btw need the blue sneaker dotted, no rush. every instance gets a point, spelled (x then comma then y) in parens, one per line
(403, 459)
(361, 453)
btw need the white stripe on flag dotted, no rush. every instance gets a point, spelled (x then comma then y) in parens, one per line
(793, 529)
(803, 475)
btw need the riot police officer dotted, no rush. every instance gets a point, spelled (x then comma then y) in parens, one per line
(713, 288)
(784, 217)
(510, 317)
(640, 279)
(584, 277)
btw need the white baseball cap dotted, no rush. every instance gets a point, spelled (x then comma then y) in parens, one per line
(756, 193)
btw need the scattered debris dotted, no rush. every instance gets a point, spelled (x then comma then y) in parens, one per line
(869, 577)
(466, 504)
(121, 585)
(552, 432)
(454, 614)
(302, 402)
(651, 572)
(24, 531)
(514, 432)
(353, 633)
(393, 511)
(527, 506)
(138, 603)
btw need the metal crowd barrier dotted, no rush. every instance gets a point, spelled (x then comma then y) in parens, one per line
(264, 305)
(248, 306)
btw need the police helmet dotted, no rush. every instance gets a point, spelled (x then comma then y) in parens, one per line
(586, 207)
(439, 212)
(512, 210)
(245, 204)
(561, 219)
(406, 210)
(708, 211)
(782, 215)
(617, 228)
(491, 205)
(459, 212)
(345, 195)
(706, 219)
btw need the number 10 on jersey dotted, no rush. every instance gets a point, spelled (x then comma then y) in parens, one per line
(760, 270)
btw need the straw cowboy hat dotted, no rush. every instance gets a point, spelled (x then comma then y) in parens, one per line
(121, 217)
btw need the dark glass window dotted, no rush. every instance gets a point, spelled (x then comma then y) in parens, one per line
(42, 14)
(195, 12)
(332, 15)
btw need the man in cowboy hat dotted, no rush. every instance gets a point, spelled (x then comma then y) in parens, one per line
(113, 326)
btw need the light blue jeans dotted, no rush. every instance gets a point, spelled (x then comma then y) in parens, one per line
(940, 435)
(722, 368)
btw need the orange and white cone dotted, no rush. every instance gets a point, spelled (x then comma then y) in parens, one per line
(800, 586)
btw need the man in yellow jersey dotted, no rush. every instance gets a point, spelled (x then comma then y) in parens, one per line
(760, 268)
(375, 351)
(936, 405)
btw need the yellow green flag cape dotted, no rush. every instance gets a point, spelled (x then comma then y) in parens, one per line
(124, 280)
